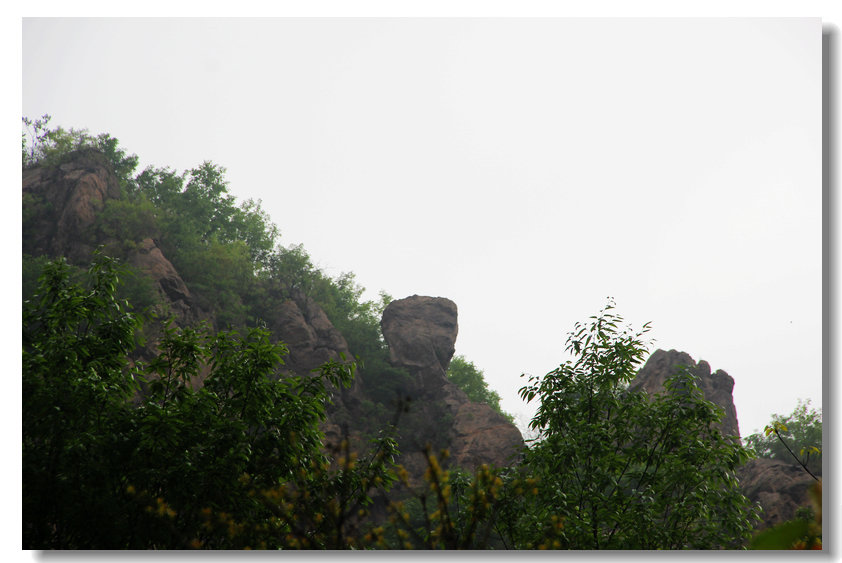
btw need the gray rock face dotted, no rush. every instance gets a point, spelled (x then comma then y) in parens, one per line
(421, 334)
(780, 488)
(310, 336)
(718, 387)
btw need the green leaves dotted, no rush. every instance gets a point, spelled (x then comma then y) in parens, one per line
(76, 387)
(51, 145)
(104, 467)
(801, 432)
(625, 470)
(470, 380)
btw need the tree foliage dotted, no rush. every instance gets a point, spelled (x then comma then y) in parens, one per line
(625, 470)
(49, 146)
(471, 380)
(800, 533)
(106, 468)
(119, 454)
(794, 438)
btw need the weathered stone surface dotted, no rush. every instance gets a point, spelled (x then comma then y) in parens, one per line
(64, 201)
(718, 387)
(310, 336)
(421, 334)
(312, 340)
(779, 487)
(147, 258)
(480, 434)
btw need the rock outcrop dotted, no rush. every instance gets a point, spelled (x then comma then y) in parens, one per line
(310, 336)
(421, 334)
(718, 387)
(780, 488)
(312, 340)
(148, 259)
(61, 204)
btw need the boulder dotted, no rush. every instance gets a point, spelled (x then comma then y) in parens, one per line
(421, 334)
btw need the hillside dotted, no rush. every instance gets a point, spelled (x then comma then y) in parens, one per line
(70, 209)
(190, 256)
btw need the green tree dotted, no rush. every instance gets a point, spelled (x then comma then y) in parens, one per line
(238, 462)
(795, 438)
(52, 145)
(624, 470)
(76, 388)
(471, 380)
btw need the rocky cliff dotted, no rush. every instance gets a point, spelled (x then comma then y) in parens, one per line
(61, 204)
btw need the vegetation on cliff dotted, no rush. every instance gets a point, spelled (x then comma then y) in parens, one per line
(119, 453)
(240, 462)
(228, 254)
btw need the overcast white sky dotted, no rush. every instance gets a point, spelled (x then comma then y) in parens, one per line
(524, 168)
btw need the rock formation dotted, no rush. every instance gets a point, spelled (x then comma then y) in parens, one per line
(62, 202)
(312, 340)
(718, 387)
(421, 333)
(60, 206)
(148, 259)
(780, 488)
(310, 336)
